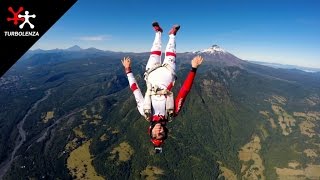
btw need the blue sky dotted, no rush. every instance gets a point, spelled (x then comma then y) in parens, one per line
(280, 31)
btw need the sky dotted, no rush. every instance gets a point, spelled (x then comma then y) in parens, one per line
(277, 31)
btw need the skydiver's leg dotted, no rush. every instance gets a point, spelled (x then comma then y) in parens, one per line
(155, 56)
(170, 56)
(170, 61)
(154, 60)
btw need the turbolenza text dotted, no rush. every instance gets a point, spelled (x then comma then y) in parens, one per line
(21, 33)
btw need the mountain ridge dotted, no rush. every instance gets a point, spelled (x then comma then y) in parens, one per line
(214, 50)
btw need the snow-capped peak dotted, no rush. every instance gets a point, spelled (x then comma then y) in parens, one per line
(212, 50)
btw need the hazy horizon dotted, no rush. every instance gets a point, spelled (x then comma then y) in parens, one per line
(274, 31)
(250, 60)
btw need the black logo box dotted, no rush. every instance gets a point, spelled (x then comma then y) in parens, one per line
(47, 12)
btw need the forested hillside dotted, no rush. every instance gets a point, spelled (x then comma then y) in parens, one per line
(80, 121)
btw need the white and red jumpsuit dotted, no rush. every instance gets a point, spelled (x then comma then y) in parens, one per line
(163, 78)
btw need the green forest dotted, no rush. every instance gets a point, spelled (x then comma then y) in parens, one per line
(243, 121)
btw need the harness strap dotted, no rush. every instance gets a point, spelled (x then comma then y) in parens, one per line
(156, 66)
(146, 74)
(166, 65)
(155, 90)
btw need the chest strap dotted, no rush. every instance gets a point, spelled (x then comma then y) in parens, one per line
(155, 90)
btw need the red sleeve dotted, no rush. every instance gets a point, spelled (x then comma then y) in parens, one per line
(184, 91)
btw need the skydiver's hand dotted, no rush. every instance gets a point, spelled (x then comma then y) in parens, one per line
(196, 61)
(126, 62)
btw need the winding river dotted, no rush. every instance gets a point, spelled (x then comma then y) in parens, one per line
(4, 167)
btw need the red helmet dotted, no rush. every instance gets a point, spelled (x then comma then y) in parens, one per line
(157, 142)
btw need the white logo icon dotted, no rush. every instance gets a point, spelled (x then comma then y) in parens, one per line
(26, 19)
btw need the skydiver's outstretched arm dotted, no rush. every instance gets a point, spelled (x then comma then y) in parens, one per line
(186, 87)
(126, 62)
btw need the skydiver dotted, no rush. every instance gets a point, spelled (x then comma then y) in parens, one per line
(158, 105)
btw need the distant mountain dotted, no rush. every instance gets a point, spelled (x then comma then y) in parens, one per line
(214, 49)
(215, 54)
(74, 48)
(70, 114)
(286, 66)
(218, 56)
(53, 56)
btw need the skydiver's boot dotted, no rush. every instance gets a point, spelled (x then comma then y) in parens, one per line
(157, 27)
(175, 28)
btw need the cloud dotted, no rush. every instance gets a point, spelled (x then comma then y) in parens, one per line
(94, 38)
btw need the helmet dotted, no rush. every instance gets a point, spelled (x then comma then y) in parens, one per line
(157, 145)
(157, 142)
